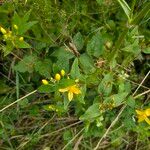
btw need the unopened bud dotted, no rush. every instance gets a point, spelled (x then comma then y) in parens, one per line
(21, 39)
(62, 72)
(15, 27)
(45, 82)
(3, 30)
(57, 77)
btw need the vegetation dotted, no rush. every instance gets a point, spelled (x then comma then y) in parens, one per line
(74, 75)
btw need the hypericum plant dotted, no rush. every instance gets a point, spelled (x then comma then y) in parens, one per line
(14, 37)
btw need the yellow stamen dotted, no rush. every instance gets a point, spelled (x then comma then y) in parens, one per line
(71, 90)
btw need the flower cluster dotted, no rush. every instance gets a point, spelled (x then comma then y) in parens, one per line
(57, 77)
(7, 34)
(73, 89)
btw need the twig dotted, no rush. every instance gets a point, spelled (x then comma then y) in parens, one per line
(141, 83)
(45, 135)
(18, 100)
(72, 139)
(76, 147)
(112, 124)
(141, 94)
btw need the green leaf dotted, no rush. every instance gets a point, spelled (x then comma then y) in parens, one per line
(22, 23)
(26, 16)
(58, 53)
(47, 88)
(125, 7)
(22, 44)
(100, 2)
(4, 88)
(24, 103)
(105, 87)
(26, 64)
(119, 98)
(146, 50)
(8, 48)
(133, 48)
(62, 63)
(87, 63)
(91, 113)
(131, 101)
(81, 96)
(75, 72)
(95, 46)
(63, 83)
(137, 18)
(78, 41)
(44, 67)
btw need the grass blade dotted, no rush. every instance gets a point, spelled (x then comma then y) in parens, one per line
(126, 8)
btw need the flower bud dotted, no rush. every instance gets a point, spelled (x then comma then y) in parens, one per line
(3, 30)
(62, 72)
(45, 82)
(15, 27)
(21, 39)
(57, 77)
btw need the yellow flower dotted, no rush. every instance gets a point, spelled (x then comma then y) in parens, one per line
(143, 115)
(21, 39)
(15, 26)
(45, 82)
(57, 77)
(71, 90)
(62, 72)
(3, 30)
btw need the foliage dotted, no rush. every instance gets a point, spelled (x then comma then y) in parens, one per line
(81, 57)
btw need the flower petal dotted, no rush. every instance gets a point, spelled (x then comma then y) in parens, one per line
(147, 112)
(75, 89)
(70, 96)
(63, 90)
(139, 112)
(147, 120)
(140, 118)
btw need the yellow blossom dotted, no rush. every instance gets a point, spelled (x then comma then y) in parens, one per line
(15, 26)
(71, 90)
(57, 77)
(3, 30)
(143, 115)
(21, 39)
(45, 82)
(62, 72)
